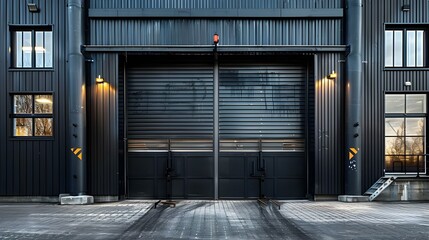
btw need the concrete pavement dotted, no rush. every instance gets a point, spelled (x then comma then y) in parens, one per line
(216, 220)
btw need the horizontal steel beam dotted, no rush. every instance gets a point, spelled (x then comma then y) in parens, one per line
(217, 13)
(209, 48)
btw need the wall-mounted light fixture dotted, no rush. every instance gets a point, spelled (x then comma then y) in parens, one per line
(32, 7)
(406, 7)
(99, 79)
(332, 75)
(215, 39)
(407, 84)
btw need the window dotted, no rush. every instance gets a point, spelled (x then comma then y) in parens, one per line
(32, 115)
(404, 47)
(32, 48)
(405, 132)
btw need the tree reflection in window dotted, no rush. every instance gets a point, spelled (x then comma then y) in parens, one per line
(33, 115)
(405, 131)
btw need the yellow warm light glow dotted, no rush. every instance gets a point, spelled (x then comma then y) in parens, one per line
(333, 75)
(99, 79)
(44, 100)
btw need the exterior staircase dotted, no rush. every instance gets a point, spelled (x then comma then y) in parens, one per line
(378, 187)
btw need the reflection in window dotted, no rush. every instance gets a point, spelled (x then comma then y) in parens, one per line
(404, 47)
(395, 103)
(32, 115)
(405, 132)
(32, 48)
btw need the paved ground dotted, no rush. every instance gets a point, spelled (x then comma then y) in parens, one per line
(216, 220)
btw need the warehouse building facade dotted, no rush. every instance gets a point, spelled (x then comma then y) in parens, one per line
(199, 99)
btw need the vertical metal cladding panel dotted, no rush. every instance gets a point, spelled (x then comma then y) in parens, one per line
(377, 79)
(3, 96)
(231, 31)
(329, 153)
(33, 167)
(174, 102)
(103, 177)
(121, 126)
(216, 4)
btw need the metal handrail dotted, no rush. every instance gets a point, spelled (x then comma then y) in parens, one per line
(418, 160)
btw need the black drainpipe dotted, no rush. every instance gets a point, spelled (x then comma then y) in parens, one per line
(353, 134)
(76, 98)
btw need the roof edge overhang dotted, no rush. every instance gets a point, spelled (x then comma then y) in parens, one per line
(204, 49)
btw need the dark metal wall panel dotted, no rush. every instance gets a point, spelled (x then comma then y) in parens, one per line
(377, 79)
(394, 80)
(216, 4)
(329, 153)
(33, 167)
(231, 32)
(3, 97)
(102, 127)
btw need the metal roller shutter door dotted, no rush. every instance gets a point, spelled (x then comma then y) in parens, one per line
(170, 124)
(262, 112)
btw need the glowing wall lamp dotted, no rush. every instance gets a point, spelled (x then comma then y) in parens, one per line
(332, 75)
(32, 7)
(99, 79)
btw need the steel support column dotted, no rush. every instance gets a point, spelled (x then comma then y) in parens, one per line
(353, 98)
(76, 128)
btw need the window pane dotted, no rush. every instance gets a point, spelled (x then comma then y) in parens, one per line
(397, 49)
(43, 127)
(27, 48)
(395, 103)
(415, 145)
(394, 126)
(416, 103)
(23, 127)
(40, 49)
(420, 48)
(395, 163)
(18, 49)
(388, 49)
(415, 126)
(411, 48)
(43, 103)
(48, 49)
(394, 145)
(22, 104)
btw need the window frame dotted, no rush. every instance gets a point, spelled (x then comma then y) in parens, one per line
(33, 29)
(406, 116)
(404, 28)
(32, 115)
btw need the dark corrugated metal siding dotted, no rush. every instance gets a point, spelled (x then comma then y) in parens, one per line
(231, 32)
(329, 153)
(102, 127)
(33, 167)
(3, 97)
(377, 80)
(216, 4)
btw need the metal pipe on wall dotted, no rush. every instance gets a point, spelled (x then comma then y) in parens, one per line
(76, 98)
(216, 124)
(353, 164)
